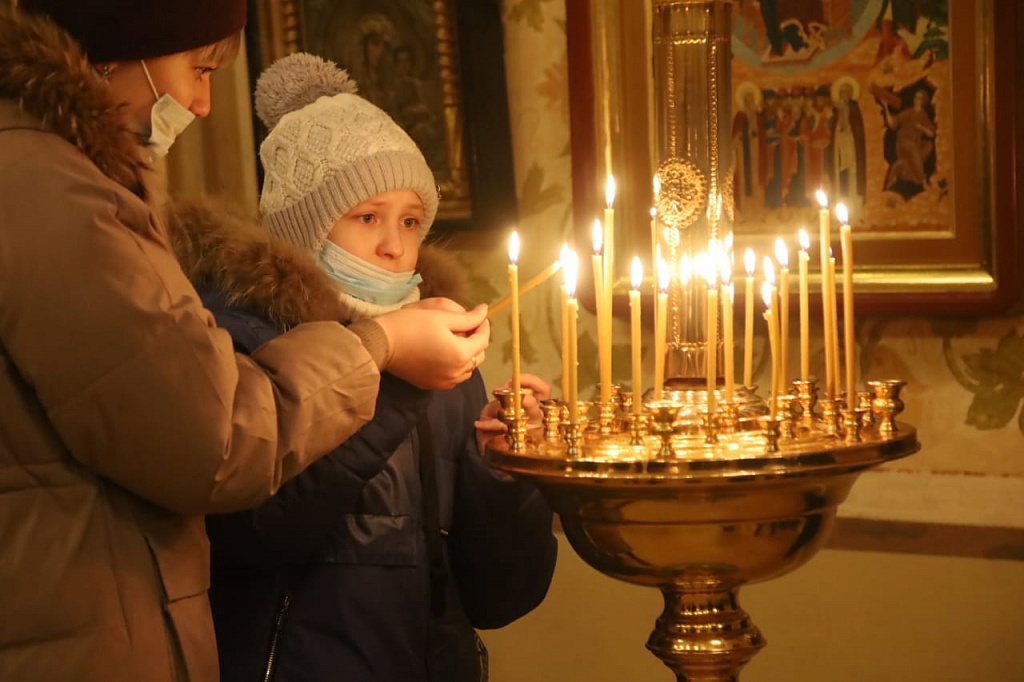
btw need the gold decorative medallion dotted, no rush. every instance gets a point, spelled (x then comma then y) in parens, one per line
(684, 192)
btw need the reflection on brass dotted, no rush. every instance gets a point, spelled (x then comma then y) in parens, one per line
(672, 501)
(684, 192)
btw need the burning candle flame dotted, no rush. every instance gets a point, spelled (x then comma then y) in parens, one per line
(636, 272)
(781, 252)
(685, 269)
(609, 191)
(766, 294)
(842, 214)
(749, 260)
(513, 248)
(598, 236)
(664, 276)
(805, 240)
(822, 198)
(570, 269)
(769, 270)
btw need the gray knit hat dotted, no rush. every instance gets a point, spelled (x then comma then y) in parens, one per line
(328, 149)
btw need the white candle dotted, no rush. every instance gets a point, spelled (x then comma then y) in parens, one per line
(767, 294)
(636, 278)
(660, 330)
(603, 315)
(833, 325)
(609, 242)
(782, 257)
(571, 272)
(727, 301)
(513, 280)
(748, 319)
(712, 334)
(773, 304)
(846, 240)
(805, 315)
(827, 295)
(566, 384)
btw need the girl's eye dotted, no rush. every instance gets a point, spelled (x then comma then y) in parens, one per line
(365, 218)
(204, 70)
(411, 223)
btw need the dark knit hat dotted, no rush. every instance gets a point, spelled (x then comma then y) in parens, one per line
(123, 30)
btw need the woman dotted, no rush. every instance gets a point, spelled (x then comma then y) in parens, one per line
(126, 414)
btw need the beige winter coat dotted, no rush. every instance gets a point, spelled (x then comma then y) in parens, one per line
(124, 412)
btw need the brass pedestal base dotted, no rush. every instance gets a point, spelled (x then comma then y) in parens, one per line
(700, 523)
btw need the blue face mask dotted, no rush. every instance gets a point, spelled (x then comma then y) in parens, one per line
(365, 281)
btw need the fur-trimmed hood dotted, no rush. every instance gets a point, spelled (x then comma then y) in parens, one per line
(271, 277)
(45, 71)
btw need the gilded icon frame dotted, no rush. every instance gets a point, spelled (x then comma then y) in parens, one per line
(972, 267)
(458, 48)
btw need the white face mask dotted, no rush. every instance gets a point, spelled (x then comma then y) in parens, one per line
(168, 119)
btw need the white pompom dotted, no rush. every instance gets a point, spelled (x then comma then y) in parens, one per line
(296, 80)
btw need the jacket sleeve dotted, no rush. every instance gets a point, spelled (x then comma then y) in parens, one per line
(296, 521)
(501, 544)
(128, 366)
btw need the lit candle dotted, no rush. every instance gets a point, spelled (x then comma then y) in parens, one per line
(566, 384)
(805, 316)
(846, 241)
(637, 278)
(513, 281)
(660, 323)
(827, 295)
(769, 276)
(711, 334)
(833, 331)
(572, 269)
(603, 314)
(767, 294)
(748, 319)
(727, 301)
(609, 242)
(782, 257)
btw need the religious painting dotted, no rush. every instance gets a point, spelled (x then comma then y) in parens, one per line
(435, 67)
(850, 96)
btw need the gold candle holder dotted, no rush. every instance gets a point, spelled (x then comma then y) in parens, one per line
(663, 416)
(852, 424)
(771, 429)
(709, 425)
(830, 416)
(551, 409)
(867, 420)
(516, 423)
(887, 404)
(606, 417)
(637, 428)
(788, 407)
(807, 396)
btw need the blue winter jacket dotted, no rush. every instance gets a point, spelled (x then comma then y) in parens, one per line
(353, 571)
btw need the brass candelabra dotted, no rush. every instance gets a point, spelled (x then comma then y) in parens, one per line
(698, 504)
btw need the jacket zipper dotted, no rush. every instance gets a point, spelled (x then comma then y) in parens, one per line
(275, 641)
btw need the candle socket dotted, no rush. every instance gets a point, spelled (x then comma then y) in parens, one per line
(852, 424)
(867, 420)
(709, 425)
(789, 410)
(830, 416)
(572, 434)
(623, 400)
(807, 397)
(663, 415)
(551, 410)
(887, 404)
(606, 417)
(771, 429)
(637, 428)
(516, 423)
(729, 419)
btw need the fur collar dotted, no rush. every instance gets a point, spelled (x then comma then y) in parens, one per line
(271, 277)
(46, 72)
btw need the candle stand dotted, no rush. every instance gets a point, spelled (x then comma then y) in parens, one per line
(708, 486)
(700, 508)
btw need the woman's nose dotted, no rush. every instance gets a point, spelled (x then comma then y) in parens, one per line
(391, 242)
